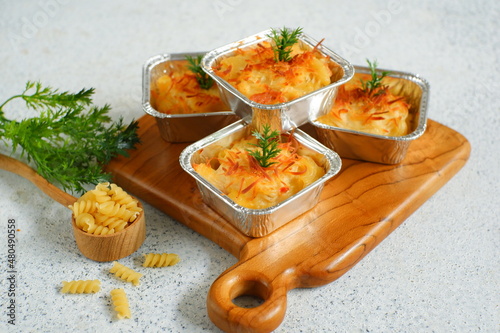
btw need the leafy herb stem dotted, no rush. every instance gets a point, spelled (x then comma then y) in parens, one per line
(283, 42)
(268, 144)
(376, 80)
(204, 80)
(70, 140)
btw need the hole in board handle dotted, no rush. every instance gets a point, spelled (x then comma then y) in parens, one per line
(249, 294)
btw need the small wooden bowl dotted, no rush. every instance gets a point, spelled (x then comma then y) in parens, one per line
(95, 247)
(114, 246)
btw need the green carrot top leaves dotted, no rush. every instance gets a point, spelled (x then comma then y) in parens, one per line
(268, 143)
(376, 80)
(204, 80)
(70, 140)
(283, 42)
(46, 97)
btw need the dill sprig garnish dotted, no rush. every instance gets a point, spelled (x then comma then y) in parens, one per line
(376, 80)
(283, 42)
(204, 80)
(71, 140)
(267, 141)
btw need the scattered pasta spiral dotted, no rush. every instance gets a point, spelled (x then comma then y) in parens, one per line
(106, 209)
(81, 286)
(160, 260)
(125, 273)
(120, 302)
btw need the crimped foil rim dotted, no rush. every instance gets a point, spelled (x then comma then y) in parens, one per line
(424, 103)
(211, 57)
(146, 75)
(185, 161)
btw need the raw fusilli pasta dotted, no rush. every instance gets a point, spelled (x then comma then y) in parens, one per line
(83, 206)
(103, 187)
(104, 210)
(120, 196)
(96, 229)
(111, 222)
(125, 273)
(120, 302)
(160, 260)
(88, 196)
(123, 198)
(81, 286)
(84, 220)
(111, 208)
(100, 196)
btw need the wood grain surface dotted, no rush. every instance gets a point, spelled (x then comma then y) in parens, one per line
(358, 208)
(13, 165)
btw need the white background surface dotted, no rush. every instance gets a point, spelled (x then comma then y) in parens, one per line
(438, 272)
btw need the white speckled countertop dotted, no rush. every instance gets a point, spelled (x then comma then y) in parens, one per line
(438, 272)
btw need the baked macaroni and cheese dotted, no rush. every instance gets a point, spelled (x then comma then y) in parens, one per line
(255, 73)
(178, 91)
(375, 111)
(238, 174)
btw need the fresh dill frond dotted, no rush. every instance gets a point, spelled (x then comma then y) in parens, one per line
(267, 141)
(376, 80)
(204, 80)
(50, 98)
(71, 140)
(283, 42)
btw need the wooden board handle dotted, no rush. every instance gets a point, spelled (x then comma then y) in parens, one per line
(15, 166)
(237, 282)
(260, 274)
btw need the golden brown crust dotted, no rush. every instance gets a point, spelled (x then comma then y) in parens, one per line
(239, 176)
(177, 92)
(376, 112)
(254, 72)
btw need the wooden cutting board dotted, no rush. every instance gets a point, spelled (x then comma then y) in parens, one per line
(358, 208)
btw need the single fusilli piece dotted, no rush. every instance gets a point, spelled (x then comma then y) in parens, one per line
(84, 220)
(125, 273)
(103, 187)
(88, 196)
(120, 302)
(83, 206)
(81, 286)
(160, 260)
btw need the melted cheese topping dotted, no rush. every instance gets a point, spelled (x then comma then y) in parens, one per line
(177, 92)
(380, 112)
(239, 176)
(254, 72)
